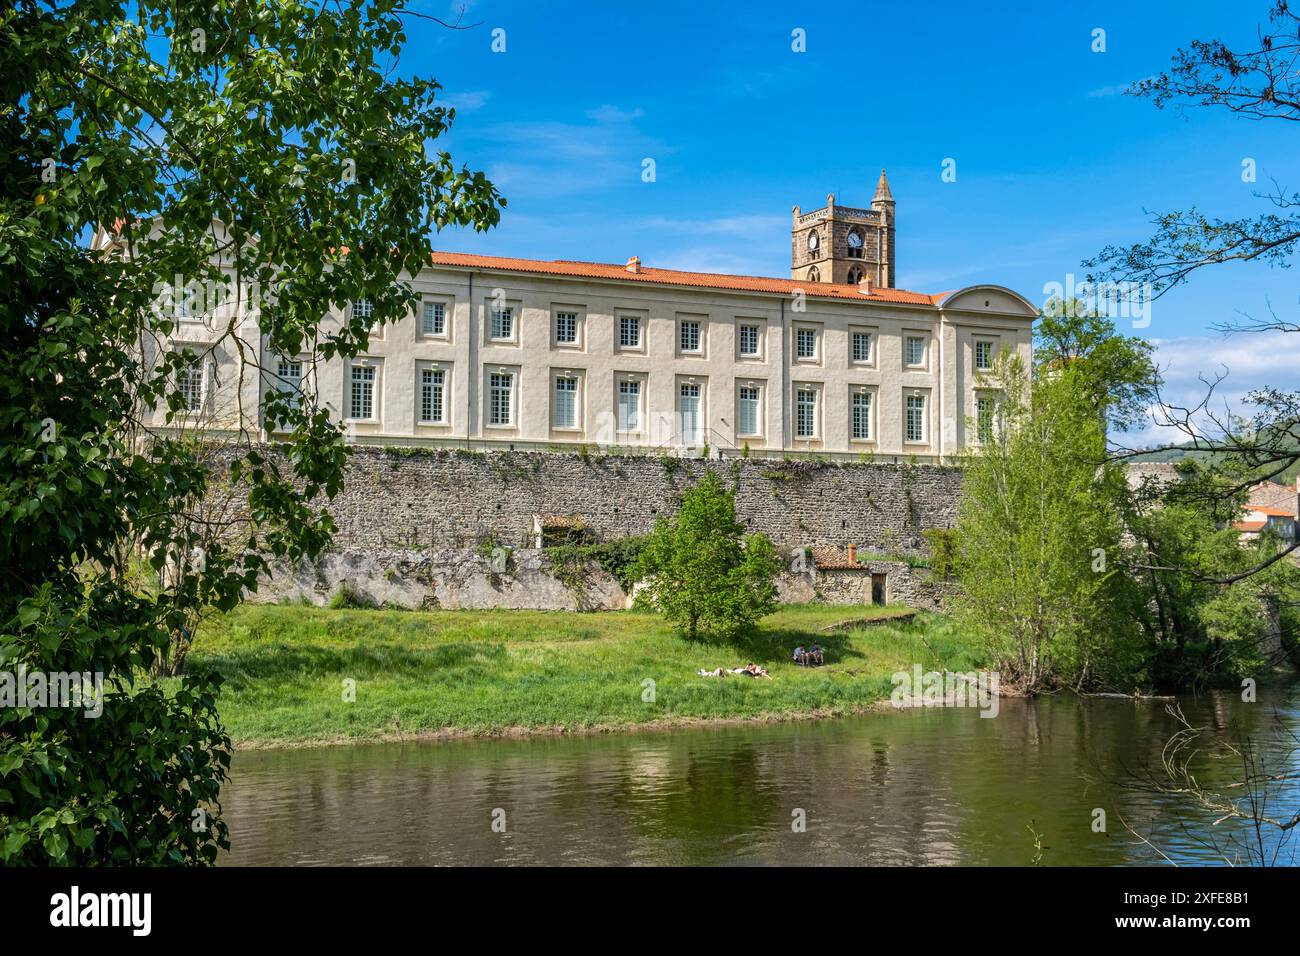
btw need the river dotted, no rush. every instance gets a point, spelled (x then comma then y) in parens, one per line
(910, 788)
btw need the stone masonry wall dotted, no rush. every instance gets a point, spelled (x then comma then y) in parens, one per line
(438, 499)
(415, 526)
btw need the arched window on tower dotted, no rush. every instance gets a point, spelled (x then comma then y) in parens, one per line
(855, 275)
(855, 243)
(814, 275)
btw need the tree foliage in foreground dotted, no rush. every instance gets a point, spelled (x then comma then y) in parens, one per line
(701, 570)
(1256, 80)
(1036, 525)
(285, 122)
(1074, 576)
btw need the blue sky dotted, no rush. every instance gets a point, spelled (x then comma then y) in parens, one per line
(1052, 161)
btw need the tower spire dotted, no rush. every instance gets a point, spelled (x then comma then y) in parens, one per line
(882, 189)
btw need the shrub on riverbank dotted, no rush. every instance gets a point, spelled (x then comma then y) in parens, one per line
(485, 672)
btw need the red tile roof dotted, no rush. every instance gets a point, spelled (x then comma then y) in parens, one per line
(1249, 525)
(703, 280)
(1276, 512)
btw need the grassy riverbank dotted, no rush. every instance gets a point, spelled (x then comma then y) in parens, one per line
(501, 672)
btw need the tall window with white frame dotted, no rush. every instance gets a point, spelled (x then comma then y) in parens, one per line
(688, 409)
(748, 409)
(862, 347)
(805, 423)
(288, 375)
(566, 328)
(985, 419)
(192, 385)
(433, 396)
(749, 341)
(915, 350)
(361, 399)
(805, 343)
(629, 331)
(566, 402)
(984, 355)
(503, 323)
(501, 398)
(433, 321)
(915, 418)
(363, 309)
(689, 339)
(629, 405)
(861, 416)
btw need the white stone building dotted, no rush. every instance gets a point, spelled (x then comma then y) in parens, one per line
(532, 354)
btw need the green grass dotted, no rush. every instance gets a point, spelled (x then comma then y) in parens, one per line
(485, 672)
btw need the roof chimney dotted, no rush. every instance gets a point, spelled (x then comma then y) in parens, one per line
(866, 286)
(853, 554)
(634, 264)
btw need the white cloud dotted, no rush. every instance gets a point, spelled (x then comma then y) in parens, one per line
(1235, 365)
(467, 100)
(738, 226)
(1116, 89)
(612, 114)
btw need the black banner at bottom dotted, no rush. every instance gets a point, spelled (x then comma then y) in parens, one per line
(338, 905)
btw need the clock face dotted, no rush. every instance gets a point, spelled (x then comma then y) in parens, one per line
(812, 242)
(855, 241)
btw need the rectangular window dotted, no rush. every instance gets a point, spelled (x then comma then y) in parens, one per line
(501, 394)
(363, 309)
(985, 410)
(189, 382)
(629, 331)
(566, 403)
(916, 418)
(432, 392)
(915, 354)
(690, 337)
(749, 340)
(688, 407)
(503, 323)
(984, 356)
(434, 319)
(862, 346)
(629, 405)
(747, 412)
(289, 372)
(805, 414)
(862, 416)
(566, 328)
(361, 402)
(806, 343)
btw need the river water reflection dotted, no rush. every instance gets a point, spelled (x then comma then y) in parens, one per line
(921, 787)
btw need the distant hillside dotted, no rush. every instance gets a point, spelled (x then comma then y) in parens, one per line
(1178, 454)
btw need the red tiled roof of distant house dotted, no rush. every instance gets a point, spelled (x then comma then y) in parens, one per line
(1249, 525)
(1270, 494)
(1275, 512)
(703, 280)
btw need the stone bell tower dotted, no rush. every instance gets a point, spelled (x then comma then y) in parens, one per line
(844, 244)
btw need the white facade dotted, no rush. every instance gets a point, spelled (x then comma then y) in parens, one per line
(535, 354)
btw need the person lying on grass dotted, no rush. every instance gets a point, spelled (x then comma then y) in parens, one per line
(752, 670)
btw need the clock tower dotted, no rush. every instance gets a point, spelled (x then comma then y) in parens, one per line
(844, 244)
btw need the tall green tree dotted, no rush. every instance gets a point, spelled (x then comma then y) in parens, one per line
(1038, 530)
(701, 570)
(1117, 374)
(147, 122)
